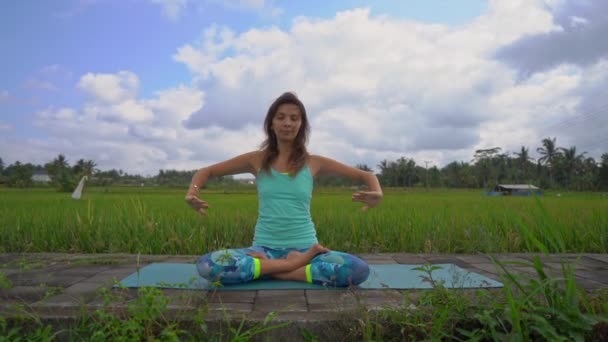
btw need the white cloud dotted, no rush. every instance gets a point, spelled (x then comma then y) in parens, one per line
(175, 105)
(110, 88)
(139, 135)
(378, 85)
(375, 88)
(131, 111)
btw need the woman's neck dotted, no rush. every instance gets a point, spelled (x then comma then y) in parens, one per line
(285, 148)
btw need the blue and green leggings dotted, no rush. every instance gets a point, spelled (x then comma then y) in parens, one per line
(234, 266)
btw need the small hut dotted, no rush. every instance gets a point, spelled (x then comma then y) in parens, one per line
(515, 190)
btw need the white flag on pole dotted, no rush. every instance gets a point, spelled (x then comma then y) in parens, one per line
(78, 192)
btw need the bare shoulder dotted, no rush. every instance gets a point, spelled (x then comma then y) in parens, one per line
(245, 163)
(321, 165)
(256, 159)
(314, 163)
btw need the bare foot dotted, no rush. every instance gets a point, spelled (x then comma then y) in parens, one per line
(301, 259)
(259, 255)
(317, 249)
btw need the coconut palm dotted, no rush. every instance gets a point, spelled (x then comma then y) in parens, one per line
(523, 158)
(570, 162)
(89, 168)
(549, 153)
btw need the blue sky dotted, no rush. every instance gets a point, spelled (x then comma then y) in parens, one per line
(106, 80)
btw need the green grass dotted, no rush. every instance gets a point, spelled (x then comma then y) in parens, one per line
(158, 221)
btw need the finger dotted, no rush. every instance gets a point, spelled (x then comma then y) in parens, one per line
(200, 204)
(202, 212)
(365, 208)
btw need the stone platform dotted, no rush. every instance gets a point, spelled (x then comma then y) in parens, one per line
(58, 286)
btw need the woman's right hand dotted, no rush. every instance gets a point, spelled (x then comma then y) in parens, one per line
(197, 204)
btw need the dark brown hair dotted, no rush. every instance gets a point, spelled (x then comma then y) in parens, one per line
(270, 149)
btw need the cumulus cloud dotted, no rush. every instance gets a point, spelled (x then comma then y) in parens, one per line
(110, 88)
(575, 50)
(139, 135)
(579, 37)
(375, 88)
(381, 85)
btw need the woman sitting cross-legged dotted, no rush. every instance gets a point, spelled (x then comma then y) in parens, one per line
(285, 244)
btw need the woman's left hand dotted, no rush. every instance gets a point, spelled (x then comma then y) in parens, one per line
(370, 198)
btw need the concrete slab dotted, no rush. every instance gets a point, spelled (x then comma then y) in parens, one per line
(72, 283)
(232, 296)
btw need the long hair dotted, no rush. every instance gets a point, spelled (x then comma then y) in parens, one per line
(270, 148)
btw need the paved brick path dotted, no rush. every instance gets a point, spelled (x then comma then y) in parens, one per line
(59, 285)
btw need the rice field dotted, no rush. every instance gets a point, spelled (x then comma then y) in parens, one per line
(158, 221)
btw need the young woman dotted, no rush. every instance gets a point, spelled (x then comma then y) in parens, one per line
(285, 243)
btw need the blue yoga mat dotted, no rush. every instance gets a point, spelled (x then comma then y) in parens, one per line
(394, 276)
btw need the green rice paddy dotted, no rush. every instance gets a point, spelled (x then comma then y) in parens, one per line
(158, 221)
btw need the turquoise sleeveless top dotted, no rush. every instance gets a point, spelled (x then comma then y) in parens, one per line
(284, 210)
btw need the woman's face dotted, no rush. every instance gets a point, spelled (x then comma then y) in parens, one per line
(286, 122)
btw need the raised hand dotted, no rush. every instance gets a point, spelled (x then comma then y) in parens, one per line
(197, 204)
(370, 198)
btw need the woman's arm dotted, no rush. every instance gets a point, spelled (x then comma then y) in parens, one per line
(244, 163)
(371, 198)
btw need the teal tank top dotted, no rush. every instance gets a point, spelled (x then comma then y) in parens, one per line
(284, 210)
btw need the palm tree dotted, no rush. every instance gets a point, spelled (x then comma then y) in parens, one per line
(61, 162)
(571, 162)
(484, 163)
(523, 157)
(57, 167)
(78, 168)
(549, 153)
(89, 168)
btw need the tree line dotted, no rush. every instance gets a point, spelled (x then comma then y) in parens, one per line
(556, 168)
(64, 177)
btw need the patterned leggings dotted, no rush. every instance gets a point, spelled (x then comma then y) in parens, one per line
(234, 266)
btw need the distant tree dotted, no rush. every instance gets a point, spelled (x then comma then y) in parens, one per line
(401, 172)
(569, 164)
(20, 175)
(364, 167)
(84, 168)
(78, 167)
(2, 178)
(458, 175)
(62, 174)
(434, 176)
(90, 168)
(603, 173)
(549, 152)
(587, 177)
(486, 166)
(523, 164)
